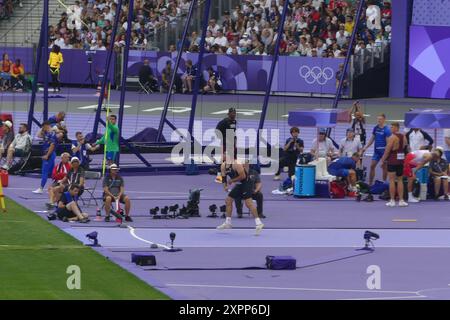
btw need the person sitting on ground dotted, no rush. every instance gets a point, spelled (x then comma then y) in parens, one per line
(416, 160)
(213, 84)
(19, 147)
(323, 146)
(68, 209)
(113, 190)
(358, 122)
(439, 171)
(350, 144)
(58, 174)
(8, 137)
(111, 140)
(74, 176)
(188, 77)
(344, 167)
(58, 125)
(146, 77)
(257, 194)
(292, 148)
(80, 147)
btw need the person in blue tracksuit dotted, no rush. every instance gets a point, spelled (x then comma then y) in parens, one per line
(49, 145)
(344, 167)
(380, 134)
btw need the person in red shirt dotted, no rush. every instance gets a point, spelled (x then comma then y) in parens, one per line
(17, 75)
(59, 173)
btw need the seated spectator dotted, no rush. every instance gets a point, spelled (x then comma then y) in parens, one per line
(8, 137)
(80, 147)
(344, 167)
(257, 194)
(188, 77)
(213, 83)
(418, 139)
(5, 72)
(447, 143)
(68, 209)
(167, 74)
(292, 148)
(19, 147)
(439, 171)
(75, 176)
(323, 146)
(18, 76)
(58, 174)
(114, 190)
(146, 77)
(349, 145)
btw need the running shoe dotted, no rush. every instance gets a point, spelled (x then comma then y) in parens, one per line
(128, 219)
(391, 203)
(402, 203)
(258, 229)
(224, 226)
(413, 200)
(39, 191)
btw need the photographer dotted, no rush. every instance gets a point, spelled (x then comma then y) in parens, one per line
(80, 148)
(293, 147)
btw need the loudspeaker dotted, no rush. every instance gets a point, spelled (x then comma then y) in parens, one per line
(142, 259)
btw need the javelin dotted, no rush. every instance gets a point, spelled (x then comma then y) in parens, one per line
(67, 8)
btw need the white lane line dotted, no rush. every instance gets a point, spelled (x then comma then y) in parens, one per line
(388, 298)
(145, 192)
(291, 289)
(133, 234)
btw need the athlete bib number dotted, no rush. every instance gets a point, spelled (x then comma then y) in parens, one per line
(400, 156)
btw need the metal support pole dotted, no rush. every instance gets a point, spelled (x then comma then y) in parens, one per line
(45, 58)
(36, 76)
(199, 73)
(126, 52)
(349, 53)
(347, 60)
(106, 73)
(177, 64)
(271, 73)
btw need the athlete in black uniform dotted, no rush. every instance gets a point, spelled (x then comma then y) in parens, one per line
(236, 173)
(226, 132)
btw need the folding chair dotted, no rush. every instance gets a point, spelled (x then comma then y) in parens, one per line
(90, 191)
(145, 87)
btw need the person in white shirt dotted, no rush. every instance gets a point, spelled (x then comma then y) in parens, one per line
(447, 143)
(418, 139)
(349, 145)
(234, 48)
(213, 27)
(323, 146)
(20, 146)
(373, 14)
(221, 40)
(98, 45)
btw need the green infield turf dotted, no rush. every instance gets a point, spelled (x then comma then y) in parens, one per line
(35, 255)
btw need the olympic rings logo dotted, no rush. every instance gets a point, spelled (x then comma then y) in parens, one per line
(316, 74)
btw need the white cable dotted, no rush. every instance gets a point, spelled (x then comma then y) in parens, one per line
(133, 234)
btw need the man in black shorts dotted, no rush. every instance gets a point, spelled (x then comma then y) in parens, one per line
(394, 154)
(235, 172)
(113, 190)
(257, 195)
(68, 209)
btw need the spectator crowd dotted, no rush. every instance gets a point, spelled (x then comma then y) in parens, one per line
(313, 28)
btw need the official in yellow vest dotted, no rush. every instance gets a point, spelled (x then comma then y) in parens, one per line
(54, 62)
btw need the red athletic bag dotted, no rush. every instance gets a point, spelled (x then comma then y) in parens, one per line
(337, 190)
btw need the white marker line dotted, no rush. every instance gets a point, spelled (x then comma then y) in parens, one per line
(133, 234)
(387, 298)
(289, 289)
